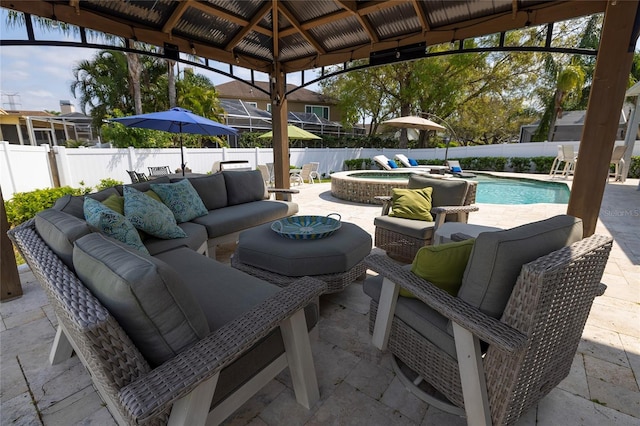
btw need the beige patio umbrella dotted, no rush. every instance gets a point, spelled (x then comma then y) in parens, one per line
(414, 122)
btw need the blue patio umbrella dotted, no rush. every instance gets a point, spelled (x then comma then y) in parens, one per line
(177, 120)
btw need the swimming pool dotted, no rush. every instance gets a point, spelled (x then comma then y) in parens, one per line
(363, 186)
(498, 190)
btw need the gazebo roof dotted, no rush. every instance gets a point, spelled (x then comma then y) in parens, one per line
(302, 34)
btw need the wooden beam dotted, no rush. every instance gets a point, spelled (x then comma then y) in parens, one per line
(249, 27)
(313, 23)
(176, 15)
(292, 19)
(10, 287)
(424, 22)
(364, 22)
(279, 111)
(610, 79)
(207, 8)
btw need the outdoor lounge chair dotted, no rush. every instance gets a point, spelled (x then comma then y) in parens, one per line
(456, 170)
(401, 238)
(385, 163)
(314, 174)
(618, 161)
(510, 335)
(159, 170)
(407, 162)
(567, 157)
(133, 175)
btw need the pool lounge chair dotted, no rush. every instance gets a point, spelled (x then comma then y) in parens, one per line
(408, 162)
(456, 170)
(385, 163)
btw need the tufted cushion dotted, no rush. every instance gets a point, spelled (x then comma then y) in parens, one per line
(149, 215)
(244, 186)
(181, 198)
(112, 224)
(60, 230)
(497, 257)
(412, 203)
(145, 295)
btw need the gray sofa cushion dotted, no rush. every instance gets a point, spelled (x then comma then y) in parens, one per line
(225, 297)
(144, 294)
(244, 186)
(144, 186)
(239, 217)
(446, 192)
(74, 204)
(497, 257)
(60, 230)
(414, 228)
(212, 190)
(196, 237)
(426, 321)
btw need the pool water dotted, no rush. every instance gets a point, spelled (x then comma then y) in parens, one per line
(493, 190)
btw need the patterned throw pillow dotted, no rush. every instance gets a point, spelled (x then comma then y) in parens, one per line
(150, 216)
(112, 224)
(181, 198)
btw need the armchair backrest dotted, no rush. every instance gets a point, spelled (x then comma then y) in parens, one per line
(497, 258)
(446, 192)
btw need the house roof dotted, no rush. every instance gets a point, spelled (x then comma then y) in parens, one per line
(25, 113)
(238, 90)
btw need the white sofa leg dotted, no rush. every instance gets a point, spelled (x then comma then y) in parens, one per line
(474, 387)
(300, 360)
(193, 409)
(61, 349)
(384, 317)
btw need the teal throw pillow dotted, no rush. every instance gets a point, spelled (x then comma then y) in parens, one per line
(181, 198)
(150, 216)
(112, 224)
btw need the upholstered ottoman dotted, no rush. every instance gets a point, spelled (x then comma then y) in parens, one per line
(336, 260)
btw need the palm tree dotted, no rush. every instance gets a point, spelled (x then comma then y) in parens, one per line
(570, 80)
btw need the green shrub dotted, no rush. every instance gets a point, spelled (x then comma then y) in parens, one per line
(107, 183)
(24, 205)
(433, 162)
(358, 164)
(542, 164)
(520, 164)
(634, 167)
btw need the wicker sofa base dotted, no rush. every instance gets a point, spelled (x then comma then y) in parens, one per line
(335, 282)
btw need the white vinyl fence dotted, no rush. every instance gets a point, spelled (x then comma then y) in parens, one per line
(25, 168)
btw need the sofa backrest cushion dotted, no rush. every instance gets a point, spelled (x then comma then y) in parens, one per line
(446, 192)
(144, 186)
(60, 230)
(74, 204)
(497, 257)
(244, 186)
(145, 295)
(212, 190)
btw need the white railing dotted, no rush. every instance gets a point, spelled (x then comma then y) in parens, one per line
(25, 168)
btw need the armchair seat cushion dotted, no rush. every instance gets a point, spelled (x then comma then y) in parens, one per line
(426, 321)
(414, 228)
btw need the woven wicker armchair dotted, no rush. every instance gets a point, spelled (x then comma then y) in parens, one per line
(181, 390)
(401, 238)
(496, 367)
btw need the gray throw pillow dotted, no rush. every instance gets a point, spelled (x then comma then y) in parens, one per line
(212, 190)
(244, 186)
(145, 295)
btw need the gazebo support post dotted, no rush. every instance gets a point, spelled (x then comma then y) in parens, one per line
(9, 276)
(610, 79)
(279, 111)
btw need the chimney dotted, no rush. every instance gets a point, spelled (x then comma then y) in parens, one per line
(66, 107)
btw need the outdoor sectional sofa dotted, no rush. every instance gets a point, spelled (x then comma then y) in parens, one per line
(173, 335)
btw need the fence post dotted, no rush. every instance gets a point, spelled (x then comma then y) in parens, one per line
(257, 156)
(132, 158)
(5, 148)
(53, 167)
(64, 170)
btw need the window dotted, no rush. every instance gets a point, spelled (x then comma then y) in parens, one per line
(252, 104)
(319, 110)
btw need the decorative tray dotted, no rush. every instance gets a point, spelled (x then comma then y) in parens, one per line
(307, 227)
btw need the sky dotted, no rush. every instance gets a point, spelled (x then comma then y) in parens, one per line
(37, 78)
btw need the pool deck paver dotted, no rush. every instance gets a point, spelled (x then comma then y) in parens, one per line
(357, 383)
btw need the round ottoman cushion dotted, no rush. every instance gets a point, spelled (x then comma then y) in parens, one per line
(263, 248)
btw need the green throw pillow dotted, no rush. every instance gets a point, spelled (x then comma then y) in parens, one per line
(150, 216)
(115, 203)
(412, 203)
(442, 265)
(182, 199)
(112, 224)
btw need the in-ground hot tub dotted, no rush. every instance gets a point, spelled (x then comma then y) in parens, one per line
(362, 186)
